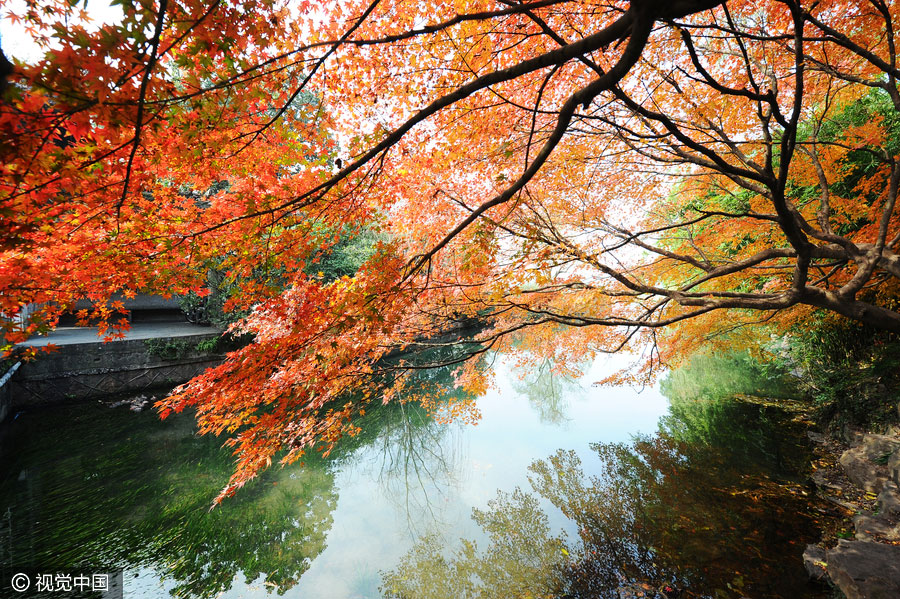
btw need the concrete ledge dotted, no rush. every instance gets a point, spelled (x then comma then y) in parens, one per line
(84, 370)
(87, 335)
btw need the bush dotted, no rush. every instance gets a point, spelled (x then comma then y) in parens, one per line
(851, 371)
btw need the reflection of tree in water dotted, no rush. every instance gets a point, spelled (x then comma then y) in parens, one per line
(135, 492)
(707, 518)
(518, 561)
(713, 377)
(694, 517)
(117, 489)
(274, 533)
(416, 460)
(703, 410)
(547, 391)
(414, 457)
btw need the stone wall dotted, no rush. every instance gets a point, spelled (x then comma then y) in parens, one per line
(86, 370)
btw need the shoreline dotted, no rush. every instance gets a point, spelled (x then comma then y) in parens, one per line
(857, 474)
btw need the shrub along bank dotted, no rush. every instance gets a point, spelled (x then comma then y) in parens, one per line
(850, 372)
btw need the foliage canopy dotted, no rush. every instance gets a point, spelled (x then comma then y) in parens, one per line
(591, 172)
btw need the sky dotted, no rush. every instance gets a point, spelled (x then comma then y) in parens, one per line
(16, 43)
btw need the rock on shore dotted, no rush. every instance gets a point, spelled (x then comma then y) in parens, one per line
(865, 569)
(868, 567)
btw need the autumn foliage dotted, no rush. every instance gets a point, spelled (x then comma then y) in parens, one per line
(590, 173)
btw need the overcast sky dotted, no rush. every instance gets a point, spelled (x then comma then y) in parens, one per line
(17, 43)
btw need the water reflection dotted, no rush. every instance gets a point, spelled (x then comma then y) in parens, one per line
(711, 506)
(547, 391)
(134, 492)
(703, 504)
(138, 494)
(520, 559)
(418, 465)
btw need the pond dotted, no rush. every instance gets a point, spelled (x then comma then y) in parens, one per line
(562, 489)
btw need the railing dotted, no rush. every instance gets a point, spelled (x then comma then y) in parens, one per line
(5, 400)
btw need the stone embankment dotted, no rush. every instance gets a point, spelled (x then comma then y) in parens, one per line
(864, 481)
(80, 367)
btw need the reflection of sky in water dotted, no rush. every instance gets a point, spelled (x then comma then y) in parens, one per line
(383, 507)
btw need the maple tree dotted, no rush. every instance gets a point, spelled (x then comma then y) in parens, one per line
(591, 172)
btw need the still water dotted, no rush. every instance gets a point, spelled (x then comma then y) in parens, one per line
(562, 489)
